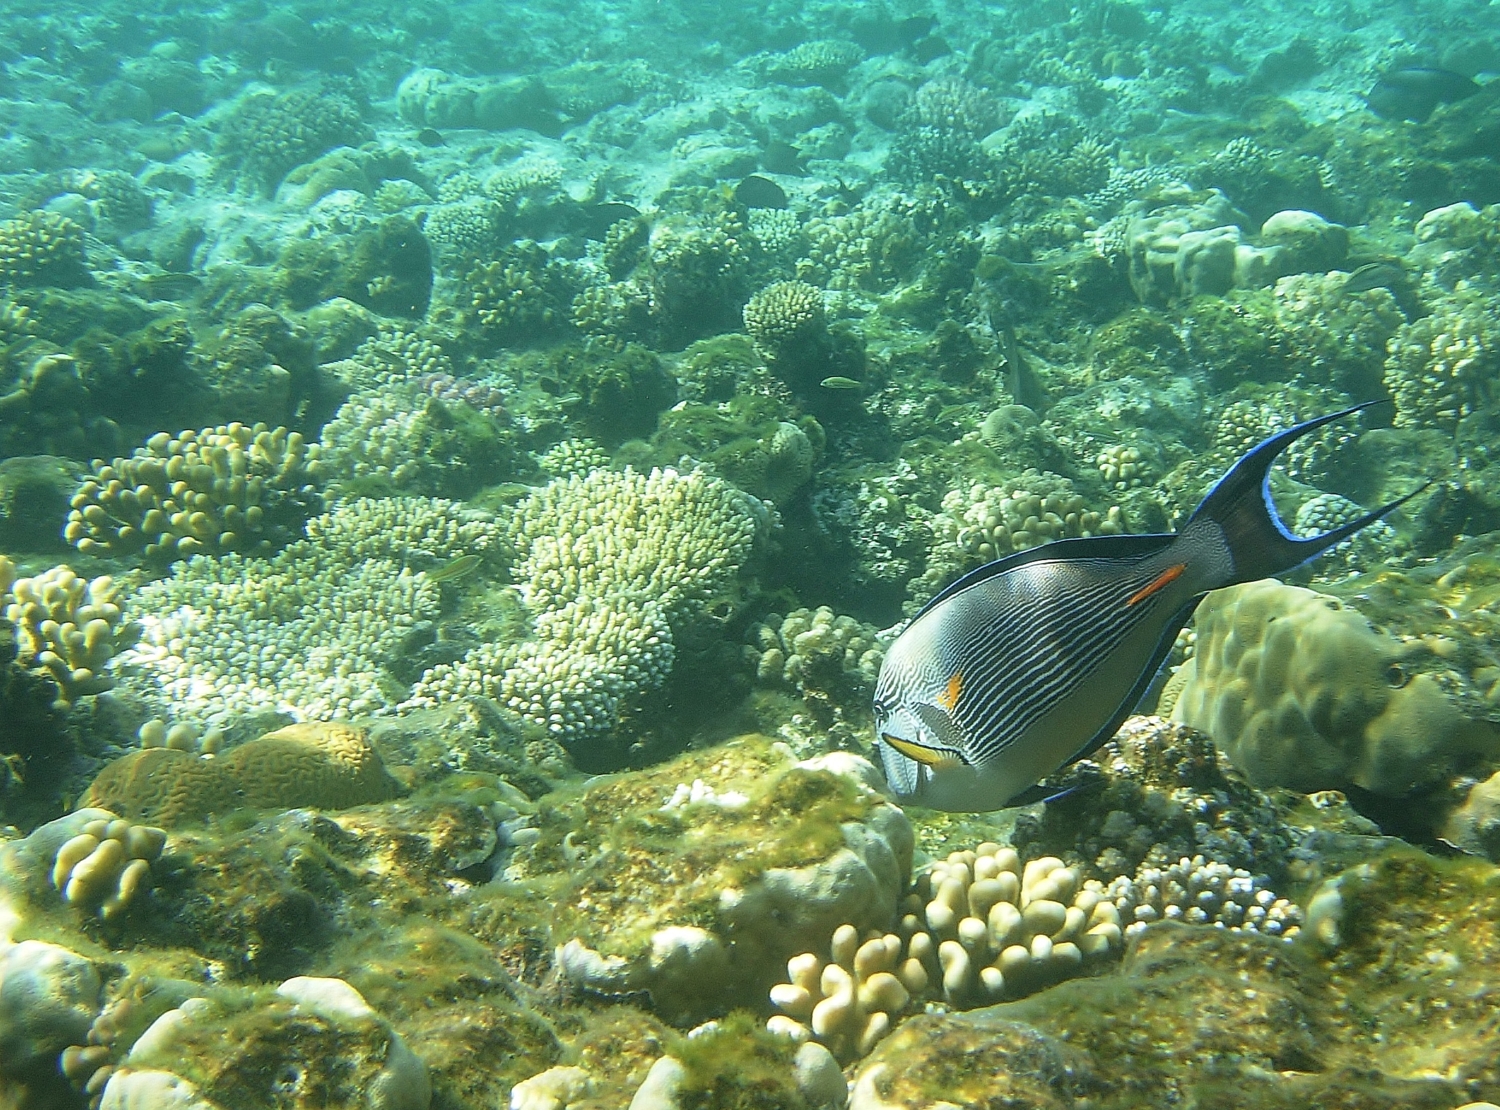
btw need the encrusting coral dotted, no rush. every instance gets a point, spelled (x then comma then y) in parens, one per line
(66, 628)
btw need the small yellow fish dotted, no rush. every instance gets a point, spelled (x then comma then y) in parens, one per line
(838, 381)
(452, 571)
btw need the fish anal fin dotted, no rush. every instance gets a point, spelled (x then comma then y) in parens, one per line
(1160, 582)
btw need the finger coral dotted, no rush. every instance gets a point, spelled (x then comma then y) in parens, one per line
(234, 487)
(66, 628)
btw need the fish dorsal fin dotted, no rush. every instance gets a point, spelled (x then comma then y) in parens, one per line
(1135, 545)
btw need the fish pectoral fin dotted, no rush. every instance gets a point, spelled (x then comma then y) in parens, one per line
(1160, 582)
(920, 753)
(944, 729)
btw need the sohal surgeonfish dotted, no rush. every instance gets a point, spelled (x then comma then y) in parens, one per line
(1033, 661)
(1414, 92)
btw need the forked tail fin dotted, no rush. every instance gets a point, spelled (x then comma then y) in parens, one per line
(1259, 541)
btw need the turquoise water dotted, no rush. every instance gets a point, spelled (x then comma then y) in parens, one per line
(462, 469)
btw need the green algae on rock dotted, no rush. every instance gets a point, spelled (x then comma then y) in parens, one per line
(695, 894)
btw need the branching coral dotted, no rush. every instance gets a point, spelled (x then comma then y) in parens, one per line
(610, 563)
(309, 631)
(229, 488)
(66, 629)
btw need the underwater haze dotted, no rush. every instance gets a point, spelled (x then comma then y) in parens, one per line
(465, 467)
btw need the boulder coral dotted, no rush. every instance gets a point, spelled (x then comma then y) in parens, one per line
(1300, 691)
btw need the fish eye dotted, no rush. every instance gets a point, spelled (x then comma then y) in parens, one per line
(1395, 676)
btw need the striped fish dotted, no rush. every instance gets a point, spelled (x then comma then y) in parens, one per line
(1033, 661)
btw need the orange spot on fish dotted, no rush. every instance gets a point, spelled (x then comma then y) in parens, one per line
(1165, 578)
(948, 699)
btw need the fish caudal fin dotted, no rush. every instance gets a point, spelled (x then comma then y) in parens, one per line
(1259, 541)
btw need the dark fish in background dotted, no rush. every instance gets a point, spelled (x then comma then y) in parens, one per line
(430, 136)
(1034, 660)
(759, 192)
(599, 218)
(782, 157)
(1387, 273)
(1414, 92)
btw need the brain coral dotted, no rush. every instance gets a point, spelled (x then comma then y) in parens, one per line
(1301, 692)
(322, 765)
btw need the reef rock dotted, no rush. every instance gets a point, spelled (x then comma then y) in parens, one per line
(698, 894)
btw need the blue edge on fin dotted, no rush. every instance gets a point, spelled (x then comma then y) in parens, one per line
(1240, 502)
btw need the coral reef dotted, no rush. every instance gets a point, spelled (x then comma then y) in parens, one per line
(1441, 368)
(321, 764)
(66, 629)
(1232, 994)
(698, 900)
(981, 522)
(1299, 691)
(234, 487)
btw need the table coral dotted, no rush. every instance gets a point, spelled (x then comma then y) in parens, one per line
(234, 487)
(66, 629)
(310, 630)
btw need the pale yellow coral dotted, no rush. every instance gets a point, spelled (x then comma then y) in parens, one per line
(66, 628)
(1300, 691)
(202, 492)
(978, 927)
(107, 863)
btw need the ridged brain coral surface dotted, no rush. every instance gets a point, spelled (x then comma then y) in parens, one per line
(320, 765)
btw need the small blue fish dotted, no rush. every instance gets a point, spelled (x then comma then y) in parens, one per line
(1033, 661)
